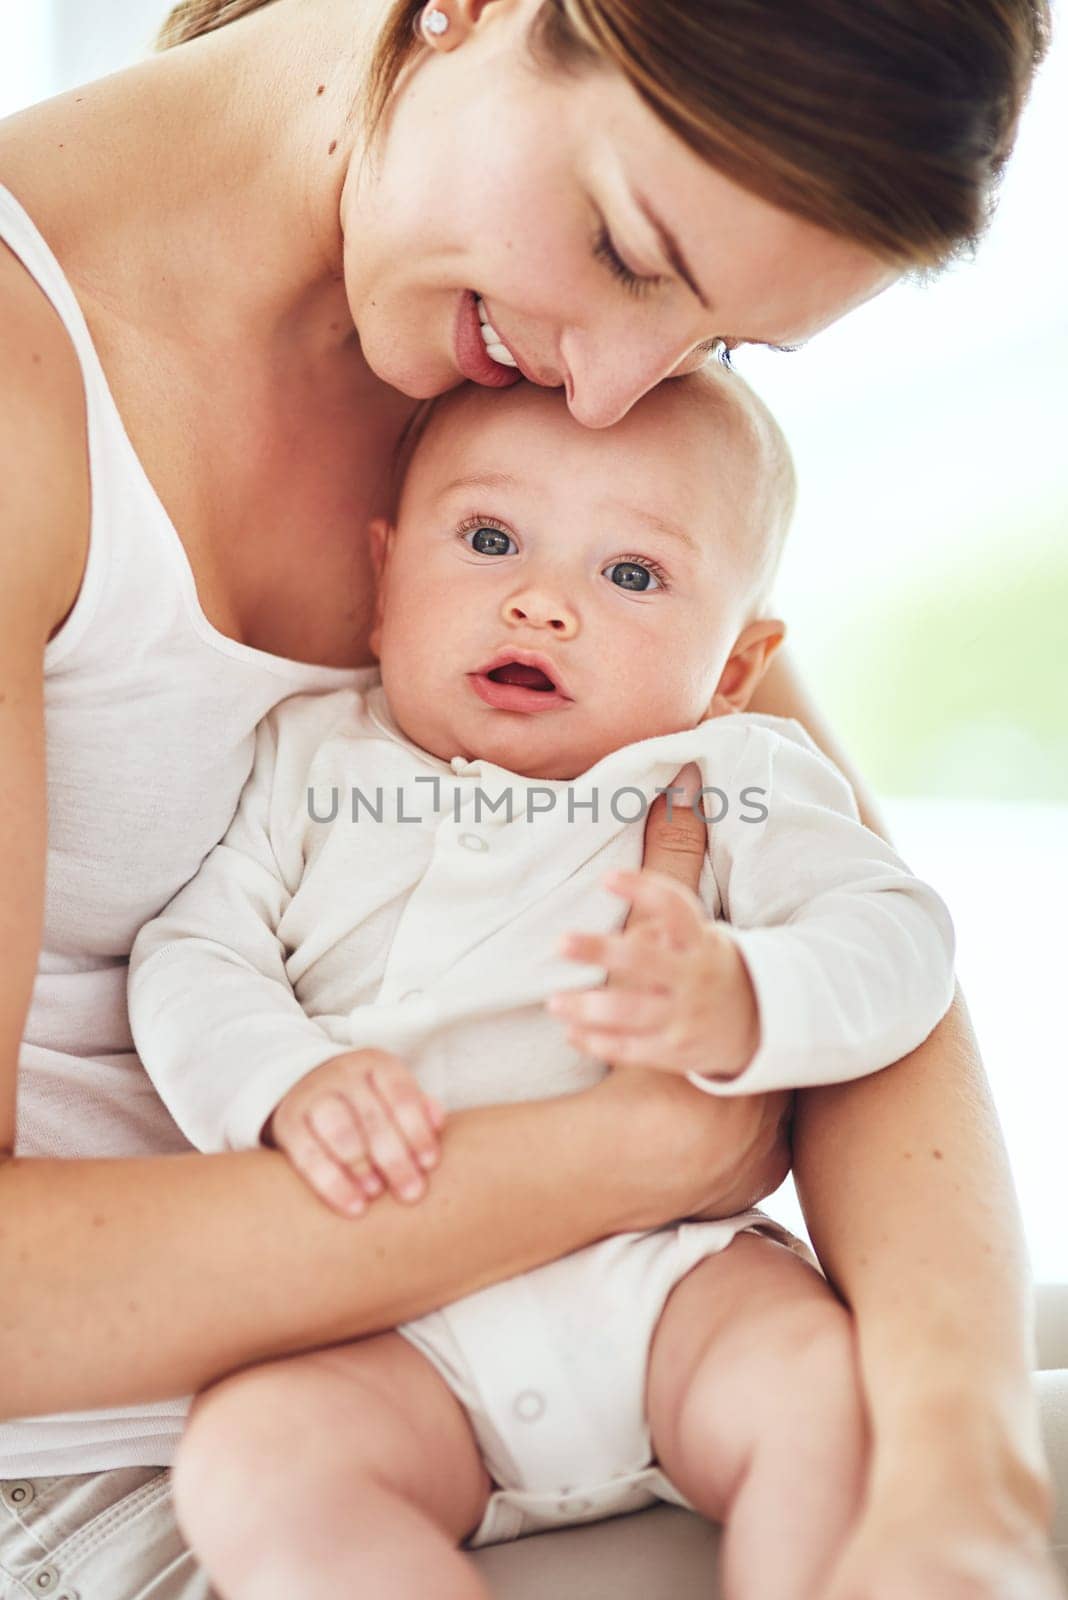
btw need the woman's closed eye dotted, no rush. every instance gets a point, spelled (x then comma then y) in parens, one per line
(604, 249)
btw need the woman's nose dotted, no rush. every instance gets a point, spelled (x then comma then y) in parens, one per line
(609, 375)
(538, 607)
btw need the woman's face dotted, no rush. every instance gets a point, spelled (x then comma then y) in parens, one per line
(498, 180)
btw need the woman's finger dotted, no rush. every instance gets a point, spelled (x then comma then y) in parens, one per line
(675, 844)
(335, 1125)
(410, 1111)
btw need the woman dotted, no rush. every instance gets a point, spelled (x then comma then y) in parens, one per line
(613, 190)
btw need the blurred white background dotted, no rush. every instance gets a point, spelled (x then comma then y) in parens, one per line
(926, 585)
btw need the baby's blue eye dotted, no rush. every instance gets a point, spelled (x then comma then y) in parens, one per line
(491, 542)
(630, 575)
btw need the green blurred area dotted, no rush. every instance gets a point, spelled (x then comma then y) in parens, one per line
(953, 681)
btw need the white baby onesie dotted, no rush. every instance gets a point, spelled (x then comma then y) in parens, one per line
(368, 894)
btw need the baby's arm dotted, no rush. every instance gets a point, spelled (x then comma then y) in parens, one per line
(835, 960)
(225, 1040)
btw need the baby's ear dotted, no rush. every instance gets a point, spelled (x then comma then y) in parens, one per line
(748, 662)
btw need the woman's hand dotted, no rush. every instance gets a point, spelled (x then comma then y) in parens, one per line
(701, 1156)
(928, 1546)
(959, 1507)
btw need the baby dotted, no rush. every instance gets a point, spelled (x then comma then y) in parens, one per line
(565, 619)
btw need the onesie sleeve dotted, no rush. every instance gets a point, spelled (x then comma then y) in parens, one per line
(850, 955)
(214, 1017)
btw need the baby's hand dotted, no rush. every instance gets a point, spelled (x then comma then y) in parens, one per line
(356, 1125)
(679, 996)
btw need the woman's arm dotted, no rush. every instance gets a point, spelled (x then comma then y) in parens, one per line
(909, 1199)
(125, 1281)
(129, 1281)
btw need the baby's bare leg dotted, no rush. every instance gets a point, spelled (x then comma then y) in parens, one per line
(350, 1472)
(756, 1416)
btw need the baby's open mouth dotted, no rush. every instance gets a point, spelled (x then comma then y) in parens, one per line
(521, 677)
(526, 682)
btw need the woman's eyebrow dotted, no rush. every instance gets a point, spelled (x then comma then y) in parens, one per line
(671, 248)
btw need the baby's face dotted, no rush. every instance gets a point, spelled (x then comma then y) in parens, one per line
(551, 593)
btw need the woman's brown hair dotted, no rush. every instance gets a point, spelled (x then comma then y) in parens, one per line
(886, 121)
(194, 17)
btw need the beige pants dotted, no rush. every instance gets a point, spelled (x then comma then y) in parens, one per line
(112, 1535)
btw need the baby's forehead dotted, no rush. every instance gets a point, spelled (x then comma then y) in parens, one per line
(702, 451)
(677, 430)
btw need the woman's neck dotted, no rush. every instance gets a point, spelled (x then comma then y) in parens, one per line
(199, 192)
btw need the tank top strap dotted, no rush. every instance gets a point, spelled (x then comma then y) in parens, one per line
(138, 586)
(24, 240)
(119, 508)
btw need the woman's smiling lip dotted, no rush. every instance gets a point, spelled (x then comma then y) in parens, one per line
(471, 355)
(528, 372)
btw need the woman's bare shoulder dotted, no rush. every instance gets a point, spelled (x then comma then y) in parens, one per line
(44, 473)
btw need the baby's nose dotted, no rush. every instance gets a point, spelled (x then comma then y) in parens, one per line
(535, 608)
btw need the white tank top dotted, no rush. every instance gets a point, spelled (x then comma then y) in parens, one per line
(149, 717)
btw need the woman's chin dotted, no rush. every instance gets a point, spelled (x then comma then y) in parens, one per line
(418, 379)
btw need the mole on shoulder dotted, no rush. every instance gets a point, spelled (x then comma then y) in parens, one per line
(333, 147)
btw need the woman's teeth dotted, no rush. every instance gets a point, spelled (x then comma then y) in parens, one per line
(495, 347)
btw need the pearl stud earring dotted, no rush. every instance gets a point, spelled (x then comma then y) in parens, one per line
(434, 22)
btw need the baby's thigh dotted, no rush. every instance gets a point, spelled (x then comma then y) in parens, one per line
(752, 1344)
(314, 1428)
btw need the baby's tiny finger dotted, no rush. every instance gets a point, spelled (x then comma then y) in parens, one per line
(629, 960)
(340, 1192)
(389, 1151)
(611, 1009)
(669, 906)
(410, 1112)
(438, 1114)
(337, 1128)
(619, 1049)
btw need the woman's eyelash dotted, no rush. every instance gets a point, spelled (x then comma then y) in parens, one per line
(720, 348)
(606, 251)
